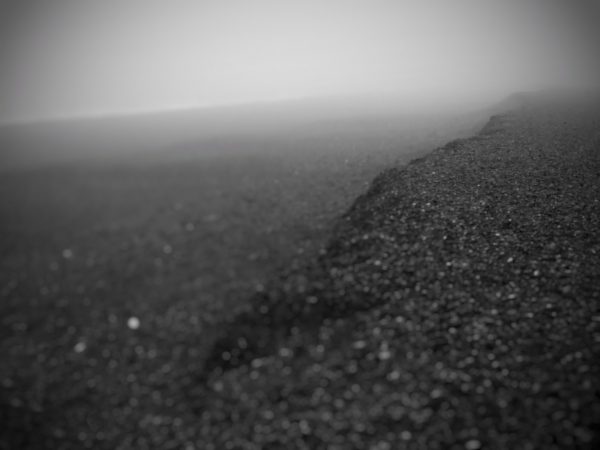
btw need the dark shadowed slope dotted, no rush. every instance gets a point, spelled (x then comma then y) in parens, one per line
(455, 307)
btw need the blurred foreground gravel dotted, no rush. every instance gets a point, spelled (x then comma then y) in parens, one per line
(454, 307)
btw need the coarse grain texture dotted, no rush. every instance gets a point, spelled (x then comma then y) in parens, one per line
(117, 270)
(456, 306)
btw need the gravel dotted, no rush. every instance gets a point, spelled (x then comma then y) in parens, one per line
(454, 307)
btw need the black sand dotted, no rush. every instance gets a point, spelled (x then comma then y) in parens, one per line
(455, 306)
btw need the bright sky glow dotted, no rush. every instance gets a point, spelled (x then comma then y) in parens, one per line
(70, 57)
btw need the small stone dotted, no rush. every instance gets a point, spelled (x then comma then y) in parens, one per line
(285, 352)
(393, 375)
(133, 323)
(304, 427)
(80, 347)
(406, 435)
(436, 393)
(384, 354)
(473, 444)
(359, 345)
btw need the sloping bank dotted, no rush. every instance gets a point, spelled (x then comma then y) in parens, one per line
(456, 306)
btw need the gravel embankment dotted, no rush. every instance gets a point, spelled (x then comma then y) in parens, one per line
(455, 307)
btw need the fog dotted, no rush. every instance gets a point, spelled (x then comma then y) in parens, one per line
(69, 58)
(282, 223)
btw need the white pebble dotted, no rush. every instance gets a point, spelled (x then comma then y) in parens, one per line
(80, 347)
(133, 323)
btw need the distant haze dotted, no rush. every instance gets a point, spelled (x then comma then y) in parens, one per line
(75, 57)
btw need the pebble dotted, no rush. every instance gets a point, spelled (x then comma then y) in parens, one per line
(133, 323)
(473, 444)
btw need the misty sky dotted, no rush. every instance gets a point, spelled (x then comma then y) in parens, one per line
(70, 57)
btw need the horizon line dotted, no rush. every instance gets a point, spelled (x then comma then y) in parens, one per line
(128, 113)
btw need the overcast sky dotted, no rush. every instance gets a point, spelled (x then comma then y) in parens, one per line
(70, 57)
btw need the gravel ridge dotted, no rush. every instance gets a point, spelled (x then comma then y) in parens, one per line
(456, 306)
